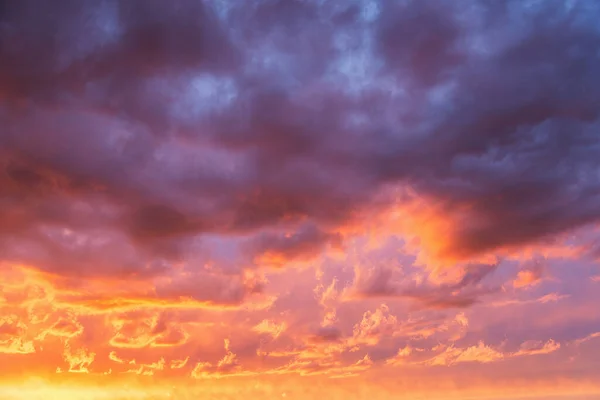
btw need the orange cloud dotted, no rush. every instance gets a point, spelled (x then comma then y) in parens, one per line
(13, 336)
(16, 345)
(178, 364)
(228, 365)
(531, 348)
(147, 369)
(401, 357)
(78, 360)
(146, 330)
(452, 355)
(270, 327)
(113, 357)
(373, 326)
(548, 298)
(589, 337)
(329, 367)
(480, 353)
(528, 278)
(63, 328)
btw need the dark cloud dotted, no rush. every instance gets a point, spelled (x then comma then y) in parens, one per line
(181, 118)
(46, 56)
(464, 293)
(304, 243)
(205, 286)
(420, 40)
(326, 334)
(383, 282)
(376, 282)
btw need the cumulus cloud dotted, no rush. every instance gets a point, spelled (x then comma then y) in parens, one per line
(374, 326)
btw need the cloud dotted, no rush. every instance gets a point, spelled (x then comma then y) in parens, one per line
(327, 333)
(374, 326)
(480, 353)
(462, 142)
(178, 364)
(530, 276)
(400, 357)
(454, 326)
(228, 365)
(63, 328)
(537, 347)
(147, 369)
(165, 163)
(548, 298)
(13, 336)
(325, 367)
(461, 292)
(113, 357)
(16, 345)
(587, 338)
(79, 360)
(140, 330)
(208, 286)
(526, 278)
(278, 250)
(270, 327)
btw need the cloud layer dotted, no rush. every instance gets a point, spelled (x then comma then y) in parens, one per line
(306, 188)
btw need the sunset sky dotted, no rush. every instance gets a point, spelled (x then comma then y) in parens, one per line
(299, 199)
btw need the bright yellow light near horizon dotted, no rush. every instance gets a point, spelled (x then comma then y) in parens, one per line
(42, 389)
(47, 391)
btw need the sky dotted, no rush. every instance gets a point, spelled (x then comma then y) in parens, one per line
(299, 199)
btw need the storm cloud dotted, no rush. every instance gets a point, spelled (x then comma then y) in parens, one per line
(161, 122)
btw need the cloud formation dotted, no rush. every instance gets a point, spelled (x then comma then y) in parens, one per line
(236, 190)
